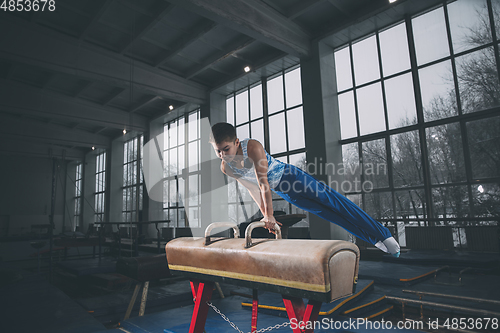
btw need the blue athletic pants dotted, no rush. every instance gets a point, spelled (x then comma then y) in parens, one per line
(304, 191)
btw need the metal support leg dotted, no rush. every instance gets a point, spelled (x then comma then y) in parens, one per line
(144, 298)
(202, 292)
(132, 301)
(297, 312)
(255, 309)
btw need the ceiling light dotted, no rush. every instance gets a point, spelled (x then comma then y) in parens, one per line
(391, 1)
(170, 107)
(246, 69)
(93, 148)
(124, 131)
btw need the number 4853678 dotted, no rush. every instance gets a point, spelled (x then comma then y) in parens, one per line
(28, 5)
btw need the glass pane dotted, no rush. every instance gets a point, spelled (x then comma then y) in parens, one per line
(172, 216)
(232, 214)
(374, 159)
(242, 107)
(275, 99)
(478, 80)
(429, 32)
(230, 110)
(281, 205)
(173, 161)
(379, 205)
(182, 192)
(446, 158)
(172, 134)
(165, 194)
(400, 101)
(299, 160)
(451, 201)
(182, 160)
(256, 102)
(438, 91)
(243, 132)
(277, 143)
(365, 58)
(295, 122)
(351, 169)
(193, 126)
(193, 156)
(182, 130)
(173, 193)
(165, 137)
(125, 152)
(257, 128)
(347, 115)
(231, 191)
(194, 217)
(410, 204)
(485, 198)
(371, 109)
(394, 50)
(496, 16)
(193, 190)
(406, 159)
(343, 69)
(469, 24)
(484, 137)
(293, 88)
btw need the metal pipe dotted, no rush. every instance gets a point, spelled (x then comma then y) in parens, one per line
(464, 298)
(444, 306)
(461, 272)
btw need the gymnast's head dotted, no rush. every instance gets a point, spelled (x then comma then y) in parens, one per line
(224, 141)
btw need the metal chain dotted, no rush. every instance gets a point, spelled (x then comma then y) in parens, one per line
(233, 325)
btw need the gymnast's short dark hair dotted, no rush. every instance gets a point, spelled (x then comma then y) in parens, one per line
(223, 132)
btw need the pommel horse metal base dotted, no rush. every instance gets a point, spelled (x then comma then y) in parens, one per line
(319, 270)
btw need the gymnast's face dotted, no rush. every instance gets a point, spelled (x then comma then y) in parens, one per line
(226, 150)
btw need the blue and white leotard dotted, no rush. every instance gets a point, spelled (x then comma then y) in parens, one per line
(275, 168)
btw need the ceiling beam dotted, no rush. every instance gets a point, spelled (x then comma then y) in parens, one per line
(255, 19)
(301, 7)
(25, 44)
(9, 146)
(185, 41)
(21, 98)
(340, 7)
(142, 104)
(219, 56)
(103, 7)
(114, 94)
(84, 87)
(17, 128)
(160, 15)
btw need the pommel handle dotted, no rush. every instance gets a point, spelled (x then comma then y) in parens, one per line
(221, 225)
(258, 224)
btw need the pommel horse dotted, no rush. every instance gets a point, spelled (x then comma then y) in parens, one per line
(318, 270)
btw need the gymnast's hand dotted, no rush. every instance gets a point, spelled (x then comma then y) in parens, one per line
(270, 222)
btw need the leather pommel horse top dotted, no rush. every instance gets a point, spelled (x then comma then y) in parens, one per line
(320, 270)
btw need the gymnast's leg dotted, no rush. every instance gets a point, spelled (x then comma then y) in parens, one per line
(305, 192)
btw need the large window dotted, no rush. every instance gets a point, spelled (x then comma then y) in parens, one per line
(77, 216)
(419, 104)
(182, 174)
(132, 179)
(269, 111)
(100, 187)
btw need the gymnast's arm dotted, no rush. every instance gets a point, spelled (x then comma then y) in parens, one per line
(252, 188)
(258, 155)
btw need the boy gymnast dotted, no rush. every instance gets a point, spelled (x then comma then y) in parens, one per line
(249, 163)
